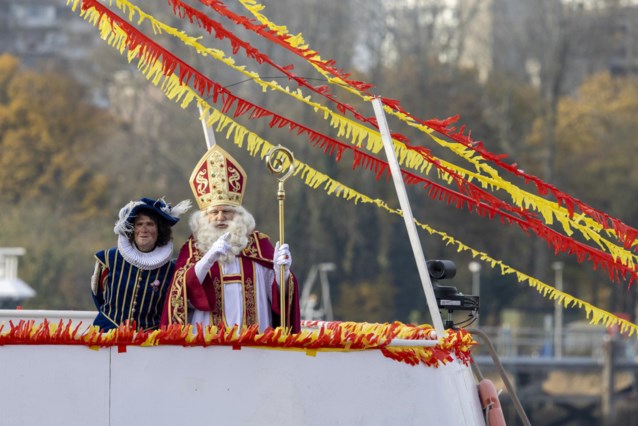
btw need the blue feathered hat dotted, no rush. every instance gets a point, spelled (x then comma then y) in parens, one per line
(167, 212)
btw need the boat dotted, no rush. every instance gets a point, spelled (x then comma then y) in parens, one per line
(64, 371)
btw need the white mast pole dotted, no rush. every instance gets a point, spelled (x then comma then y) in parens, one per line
(208, 132)
(408, 218)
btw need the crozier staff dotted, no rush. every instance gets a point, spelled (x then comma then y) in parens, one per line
(228, 273)
(130, 281)
(276, 162)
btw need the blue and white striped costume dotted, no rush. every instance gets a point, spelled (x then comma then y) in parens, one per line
(129, 285)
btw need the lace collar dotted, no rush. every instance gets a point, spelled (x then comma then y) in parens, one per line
(146, 261)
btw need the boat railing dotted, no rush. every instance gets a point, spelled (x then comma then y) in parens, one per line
(87, 317)
(539, 342)
(52, 316)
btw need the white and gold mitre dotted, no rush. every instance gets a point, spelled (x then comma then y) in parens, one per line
(218, 179)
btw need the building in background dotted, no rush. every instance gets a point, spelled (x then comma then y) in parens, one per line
(13, 291)
(44, 30)
(574, 39)
(47, 33)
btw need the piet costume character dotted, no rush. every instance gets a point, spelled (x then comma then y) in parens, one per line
(227, 273)
(131, 280)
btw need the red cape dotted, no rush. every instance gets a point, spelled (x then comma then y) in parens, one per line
(185, 286)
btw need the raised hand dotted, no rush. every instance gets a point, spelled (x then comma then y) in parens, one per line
(219, 248)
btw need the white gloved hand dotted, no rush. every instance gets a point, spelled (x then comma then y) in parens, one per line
(217, 250)
(281, 257)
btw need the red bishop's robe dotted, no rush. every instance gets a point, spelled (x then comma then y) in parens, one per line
(186, 288)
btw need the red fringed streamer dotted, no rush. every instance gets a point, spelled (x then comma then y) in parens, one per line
(266, 33)
(626, 235)
(277, 121)
(204, 85)
(182, 10)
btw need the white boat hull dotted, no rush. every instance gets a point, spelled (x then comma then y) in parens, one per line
(168, 385)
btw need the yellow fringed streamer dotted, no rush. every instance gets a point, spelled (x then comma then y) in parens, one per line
(595, 314)
(357, 133)
(354, 131)
(314, 179)
(589, 229)
(255, 8)
(520, 197)
(73, 4)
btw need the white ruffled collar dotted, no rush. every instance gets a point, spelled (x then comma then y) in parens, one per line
(146, 261)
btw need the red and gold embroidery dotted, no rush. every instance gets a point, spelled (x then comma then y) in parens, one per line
(251, 250)
(217, 315)
(250, 310)
(246, 278)
(177, 299)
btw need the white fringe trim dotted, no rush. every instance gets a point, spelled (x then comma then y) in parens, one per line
(122, 227)
(179, 209)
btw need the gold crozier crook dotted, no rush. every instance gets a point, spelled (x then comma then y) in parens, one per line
(277, 160)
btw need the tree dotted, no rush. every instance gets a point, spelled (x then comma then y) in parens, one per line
(370, 301)
(595, 139)
(553, 45)
(47, 131)
(53, 198)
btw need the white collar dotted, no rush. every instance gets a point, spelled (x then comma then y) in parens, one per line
(147, 261)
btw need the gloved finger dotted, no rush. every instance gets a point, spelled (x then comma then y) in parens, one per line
(283, 248)
(220, 246)
(225, 237)
(283, 258)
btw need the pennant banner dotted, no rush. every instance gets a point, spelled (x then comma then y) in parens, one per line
(173, 77)
(626, 234)
(329, 336)
(619, 264)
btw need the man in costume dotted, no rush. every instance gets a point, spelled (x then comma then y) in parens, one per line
(227, 273)
(131, 280)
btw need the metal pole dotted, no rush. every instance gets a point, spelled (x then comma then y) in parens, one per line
(307, 308)
(426, 282)
(608, 407)
(325, 289)
(558, 311)
(475, 269)
(208, 132)
(281, 196)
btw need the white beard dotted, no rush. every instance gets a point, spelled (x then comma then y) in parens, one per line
(206, 234)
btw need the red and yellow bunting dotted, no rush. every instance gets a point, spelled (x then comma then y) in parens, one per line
(565, 205)
(314, 338)
(618, 263)
(175, 78)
